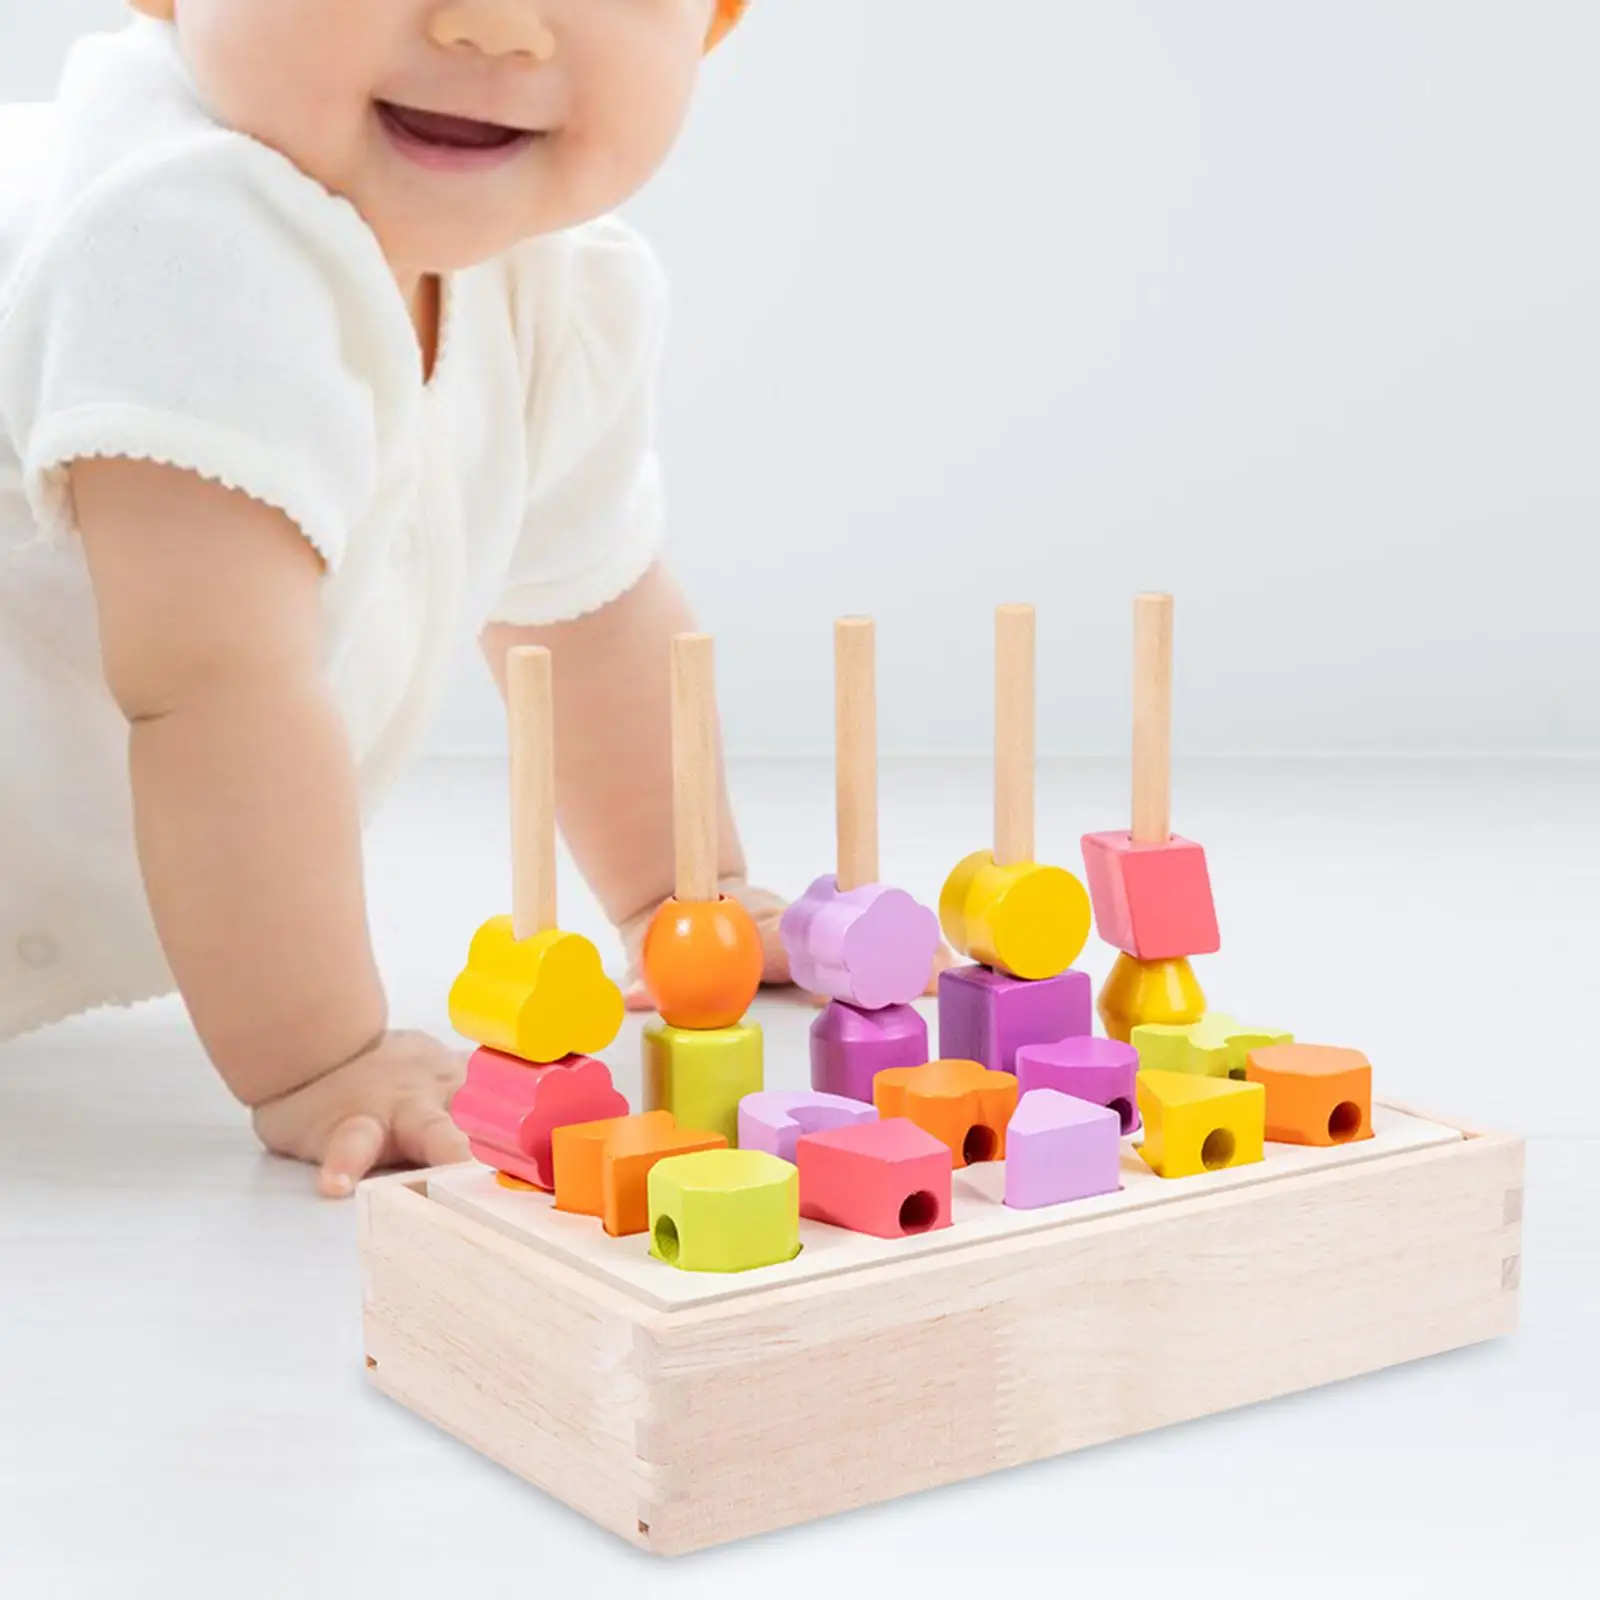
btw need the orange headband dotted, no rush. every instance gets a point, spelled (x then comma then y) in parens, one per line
(728, 13)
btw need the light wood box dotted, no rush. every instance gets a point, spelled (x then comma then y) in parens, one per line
(770, 1399)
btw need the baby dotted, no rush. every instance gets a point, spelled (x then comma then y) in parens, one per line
(317, 345)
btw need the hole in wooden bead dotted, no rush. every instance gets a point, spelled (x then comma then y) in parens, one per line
(980, 1144)
(1124, 1111)
(1218, 1149)
(1344, 1122)
(666, 1239)
(919, 1212)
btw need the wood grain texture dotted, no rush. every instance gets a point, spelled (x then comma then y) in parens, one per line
(1014, 720)
(689, 1428)
(694, 765)
(531, 709)
(855, 736)
(1152, 718)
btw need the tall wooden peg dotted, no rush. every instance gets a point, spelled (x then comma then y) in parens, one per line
(702, 953)
(849, 937)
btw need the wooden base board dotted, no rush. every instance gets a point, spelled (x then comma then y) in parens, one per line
(748, 1405)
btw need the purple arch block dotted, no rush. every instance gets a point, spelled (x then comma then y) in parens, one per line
(870, 947)
(774, 1120)
(1102, 1071)
(850, 1047)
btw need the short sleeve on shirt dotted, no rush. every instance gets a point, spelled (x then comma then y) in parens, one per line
(211, 310)
(592, 310)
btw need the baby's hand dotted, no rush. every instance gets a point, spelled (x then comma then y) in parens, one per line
(387, 1107)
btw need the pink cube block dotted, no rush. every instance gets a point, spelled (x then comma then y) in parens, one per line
(1104, 1072)
(886, 1178)
(987, 1016)
(774, 1120)
(1060, 1149)
(850, 1047)
(1152, 901)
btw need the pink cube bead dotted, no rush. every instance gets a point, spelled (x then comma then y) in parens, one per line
(1152, 901)
(1060, 1149)
(987, 1016)
(850, 1047)
(1104, 1072)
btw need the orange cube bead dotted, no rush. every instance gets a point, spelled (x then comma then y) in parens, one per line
(1316, 1094)
(962, 1104)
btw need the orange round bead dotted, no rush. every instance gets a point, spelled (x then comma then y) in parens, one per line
(702, 962)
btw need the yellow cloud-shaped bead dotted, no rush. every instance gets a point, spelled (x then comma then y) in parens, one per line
(541, 998)
(1026, 920)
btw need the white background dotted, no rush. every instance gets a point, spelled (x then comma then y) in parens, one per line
(1291, 309)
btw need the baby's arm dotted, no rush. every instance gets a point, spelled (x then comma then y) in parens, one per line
(247, 816)
(614, 756)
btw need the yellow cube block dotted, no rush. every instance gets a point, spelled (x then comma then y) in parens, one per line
(724, 1211)
(700, 1077)
(1194, 1123)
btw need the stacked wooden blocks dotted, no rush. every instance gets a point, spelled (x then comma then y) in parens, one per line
(717, 1170)
(534, 998)
(1022, 924)
(864, 946)
(702, 953)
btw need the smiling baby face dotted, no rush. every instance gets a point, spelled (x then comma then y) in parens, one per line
(456, 127)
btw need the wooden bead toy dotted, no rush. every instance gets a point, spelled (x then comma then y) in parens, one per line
(986, 1016)
(1195, 1124)
(529, 989)
(1215, 1046)
(850, 1047)
(508, 1110)
(962, 1104)
(1061, 1149)
(1101, 1071)
(701, 956)
(1316, 1094)
(602, 1168)
(886, 1178)
(1151, 890)
(1139, 992)
(724, 1211)
(701, 1075)
(848, 936)
(774, 1121)
(998, 906)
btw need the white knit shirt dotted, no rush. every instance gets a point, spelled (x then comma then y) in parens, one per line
(176, 292)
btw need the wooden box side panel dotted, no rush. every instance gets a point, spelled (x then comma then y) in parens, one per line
(841, 1393)
(531, 1364)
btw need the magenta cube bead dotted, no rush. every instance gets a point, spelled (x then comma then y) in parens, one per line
(987, 1017)
(1102, 1071)
(850, 1047)
(1058, 1149)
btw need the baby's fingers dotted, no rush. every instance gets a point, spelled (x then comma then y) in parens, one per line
(426, 1135)
(352, 1151)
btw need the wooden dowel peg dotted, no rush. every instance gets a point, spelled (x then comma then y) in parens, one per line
(694, 765)
(1014, 734)
(855, 735)
(531, 706)
(1152, 718)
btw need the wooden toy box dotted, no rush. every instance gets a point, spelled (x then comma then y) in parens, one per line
(685, 1410)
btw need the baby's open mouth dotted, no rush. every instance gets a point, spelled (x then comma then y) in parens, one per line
(441, 131)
